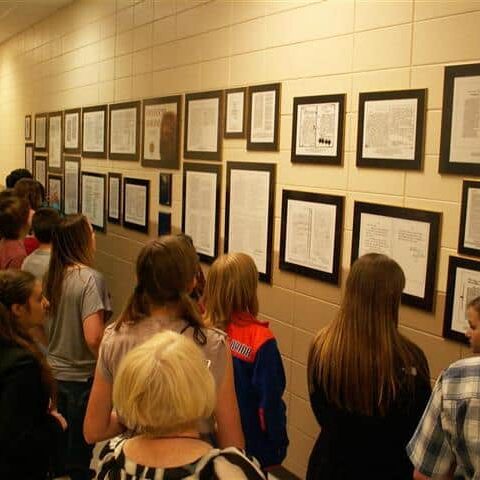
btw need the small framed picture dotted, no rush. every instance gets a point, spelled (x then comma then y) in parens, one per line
(165, 189)
(463, 285)
(72, 187)
(72, 131)
(55, 157)
(391, 129)
(29, 157)
(40, 168)
(164, 223)
(94, 131)
(94, 199)
(235, 112)
(55, 191)
(124, 128)
(28, 128)
(469, 237)
(114, 197)
(263, 126)
(41, 132)
(136, 203)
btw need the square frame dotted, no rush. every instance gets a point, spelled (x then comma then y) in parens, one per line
(60, 168)
(92, 153)
(165, 189)
(69, 159)
(393, 163)
(73, 150)
(235, 134)
(467, 186)
(28, 128)
(29, 164)
(40, 116)
(58, 178)
(317, 198)
(99, 228)
(124, 106)
(126, 223)
(433, 219)
(111, 218)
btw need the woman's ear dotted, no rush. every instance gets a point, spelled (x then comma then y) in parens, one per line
(192, 285)
(18, 310)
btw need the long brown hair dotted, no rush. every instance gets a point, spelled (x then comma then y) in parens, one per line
(16, 287)
(231, 287)
(71, 245)
(32, 191)
(361, 359)
(165, 270)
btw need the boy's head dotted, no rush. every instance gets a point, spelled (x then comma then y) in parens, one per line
(473, 331)
(44, 221)
(15, 176)
(14, 212)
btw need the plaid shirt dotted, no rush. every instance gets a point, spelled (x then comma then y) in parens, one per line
(449, 432)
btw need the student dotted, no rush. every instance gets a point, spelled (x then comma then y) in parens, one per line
(446, 443)
(162, 389)
(44, 221)
(15, 175)
(30, 427)
(79, 307)
(13, 228)
(231, 303)
(368, 384)
(161, 301)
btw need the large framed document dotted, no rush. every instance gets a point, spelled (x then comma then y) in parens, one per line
(94, 199)
(263, 125)
(460, 137)
(463, 285)
(71, 188)
(41, 132)
(391, 129)
(311, 234)
(136, 202)
(203, 126)
(94, 132)
(55, 158)
(40, 168)
(115, 198)
(235, 112)
(249, 212)
(318, 126)
(469, 237)
(201, 207)
(29, 157)
(28, 128)
(161, 132)
(124, 129)
(72, 131)
(55, 191)
(411, 237)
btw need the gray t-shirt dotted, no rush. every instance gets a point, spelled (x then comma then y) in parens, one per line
(37, 263)
(84, 293)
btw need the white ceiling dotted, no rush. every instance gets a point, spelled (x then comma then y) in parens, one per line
(17, 15)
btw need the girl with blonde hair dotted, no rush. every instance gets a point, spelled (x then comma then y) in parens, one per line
(368, 383)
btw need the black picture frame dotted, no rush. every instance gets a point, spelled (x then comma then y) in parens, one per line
(127, 223)
(235, 134)
(313, 198)
(110, 217)
(44, 117)
(454, 264)
(462, 248)
(255, 167)
(28, 128)
(124, 106)
(102, 176)
(420, 95)
(164, 223)
(433, 219)
(216, 170)
(51, 168)
(321, 159)
(66, 161)
(91, 153)
(37, 172)
(29, 162)
(57, 205)
(451, 74)
(165, 189)
(78, 149)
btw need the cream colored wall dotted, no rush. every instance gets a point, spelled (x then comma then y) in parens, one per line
(104, 51)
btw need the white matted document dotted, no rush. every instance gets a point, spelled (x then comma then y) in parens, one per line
(93, 199)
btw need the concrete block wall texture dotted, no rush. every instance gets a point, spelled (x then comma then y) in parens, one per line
(107, 51)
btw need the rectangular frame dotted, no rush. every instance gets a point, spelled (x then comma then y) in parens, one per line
(58, 205)
(165, 189)
(124, 106)
(142, 183)
(268, 145)
(433, 219)
(28, 128)
(111, 218)
(60, 146)
(337, 139)
(42, 180)
(454, 264)
(468, 250)
(29, 164)
(212, 169)
(393, 162)
(96, 226)
(164, 226)
(214, 155)
(313, 198)
(66, 160)
(451, 75)
(256, 167)
(93, 153)
(41, 116)
(78, 148)
(235, 133)
(169, 128)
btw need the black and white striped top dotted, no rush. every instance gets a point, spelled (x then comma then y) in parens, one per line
(227, 464)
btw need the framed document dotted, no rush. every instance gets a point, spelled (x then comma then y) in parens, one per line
(203, 126)
(55, 191)
(28, 128)
(263, 117)
(469, 238)
(72, 131)
(41, 132)
(71, 190)
(235, 112)
(318, 126)
(164, 223)
(165, 190)
(55, 121)
(161, 132)
(201, 207)
(29, 157)
(41, 170)
(460, 137)
(311, 234)
(124, 139)
(249, 212)
(463, 285)
(114, 197)
(411, 237)
(136, 202)
(94, 199)
(391, 129)
(94, 132)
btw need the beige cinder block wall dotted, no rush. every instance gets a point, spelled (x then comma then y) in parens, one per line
(105, 51)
